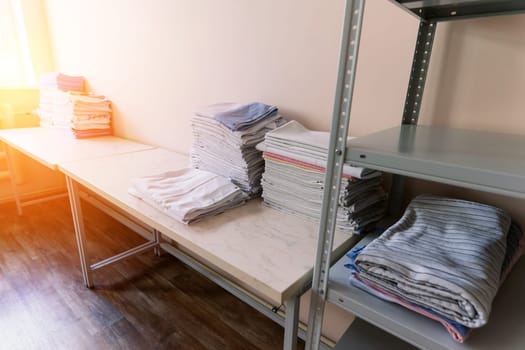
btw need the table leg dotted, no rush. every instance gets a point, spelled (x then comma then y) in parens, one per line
(78, 222)
(291, 323)
(156, 237)
(12, 178)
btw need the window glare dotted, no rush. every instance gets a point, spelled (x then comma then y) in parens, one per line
(16, 68)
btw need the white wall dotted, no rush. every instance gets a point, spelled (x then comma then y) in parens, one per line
(159, 60)
(478, 78)
(36, 26)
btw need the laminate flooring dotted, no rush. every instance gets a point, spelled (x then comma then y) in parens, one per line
(145, 302)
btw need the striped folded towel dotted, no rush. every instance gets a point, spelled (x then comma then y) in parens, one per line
(443, 254)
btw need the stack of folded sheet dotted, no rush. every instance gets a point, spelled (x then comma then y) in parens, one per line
(445, 259)
(225, 136)
(62, 82)
(188, 195)
(293, 180)
(63, 103)
(90, 115)
(55, 92)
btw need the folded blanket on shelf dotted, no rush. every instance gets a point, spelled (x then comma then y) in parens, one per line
(443, 254)
(188, 195)
(459, 332)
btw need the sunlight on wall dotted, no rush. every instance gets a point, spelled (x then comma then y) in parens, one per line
(16, 68)
(24, 54)
(24, 43)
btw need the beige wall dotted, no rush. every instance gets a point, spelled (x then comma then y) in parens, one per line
(36, 25)
(159, 60)
(479, 75)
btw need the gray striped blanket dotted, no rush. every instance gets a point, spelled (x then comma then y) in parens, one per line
(443, 254)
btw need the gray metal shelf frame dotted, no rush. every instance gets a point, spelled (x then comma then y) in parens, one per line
(446, 10)
(429, 12)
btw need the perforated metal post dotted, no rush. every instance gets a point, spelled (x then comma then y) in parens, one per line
(418, 75)
(414, 97)
(336, 155)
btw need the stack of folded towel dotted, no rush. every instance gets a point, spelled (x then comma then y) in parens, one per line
(90, 115)
(293, 180)
(188, 195)
(55, 92)
(63, 103)
(445, 259)
(225, 136)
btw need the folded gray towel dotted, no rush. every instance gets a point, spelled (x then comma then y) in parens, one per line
(443, 254)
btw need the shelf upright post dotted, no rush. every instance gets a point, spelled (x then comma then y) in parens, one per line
(336, 155)
(414, 97)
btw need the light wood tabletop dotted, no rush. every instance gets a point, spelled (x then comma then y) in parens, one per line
(261, 248)
(51, 146)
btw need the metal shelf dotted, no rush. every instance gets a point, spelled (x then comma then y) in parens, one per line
(443, 10)
(504, 331)
(362, 335)
(485, 161)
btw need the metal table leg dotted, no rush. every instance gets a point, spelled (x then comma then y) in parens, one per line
(78, 222)
(12, 178)
(291, 323)
(156, 238)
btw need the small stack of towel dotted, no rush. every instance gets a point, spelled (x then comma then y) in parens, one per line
(445, 259)
(188, 195)
(293, 181)
(225, 136)
(63, 103)
(90, 116)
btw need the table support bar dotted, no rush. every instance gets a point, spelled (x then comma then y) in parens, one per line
(124, 255)
(254, 301)
(117, 216)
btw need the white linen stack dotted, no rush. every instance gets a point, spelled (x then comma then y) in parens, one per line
(188, 195)
(62, 82)
(55, 90)
(63, 103)
(224, 142)
(293, 181)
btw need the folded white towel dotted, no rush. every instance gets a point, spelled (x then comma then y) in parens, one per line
(188, 195)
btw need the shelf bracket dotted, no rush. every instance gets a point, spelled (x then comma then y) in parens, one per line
(336, 154)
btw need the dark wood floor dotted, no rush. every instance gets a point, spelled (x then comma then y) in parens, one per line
(145, 302)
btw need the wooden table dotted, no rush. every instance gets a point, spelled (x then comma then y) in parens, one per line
(252, 248)
(261, 255)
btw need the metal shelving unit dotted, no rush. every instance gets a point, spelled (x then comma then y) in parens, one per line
(484, 161)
